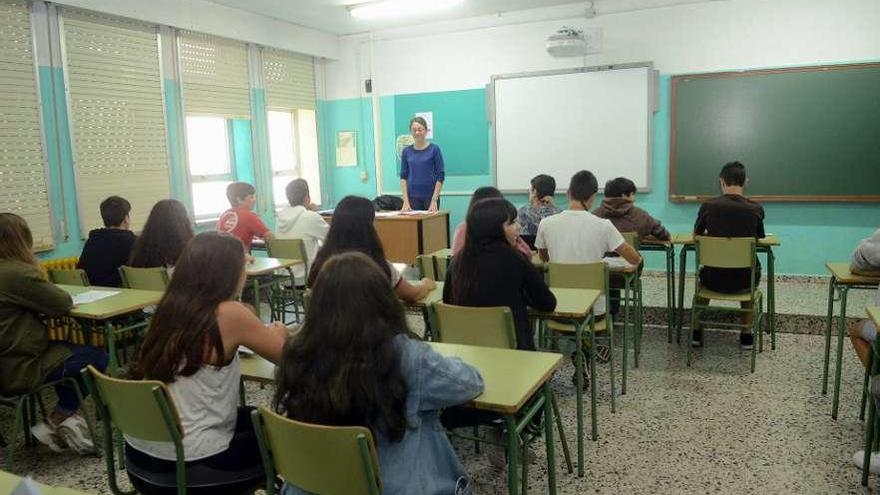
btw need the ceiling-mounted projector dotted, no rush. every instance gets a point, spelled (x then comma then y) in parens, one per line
(572, 42)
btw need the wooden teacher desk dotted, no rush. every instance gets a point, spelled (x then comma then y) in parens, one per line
(407, 235)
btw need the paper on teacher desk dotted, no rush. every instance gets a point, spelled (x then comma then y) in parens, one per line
(91, 296)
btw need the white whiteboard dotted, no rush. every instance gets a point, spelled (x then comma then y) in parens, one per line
(560, 123)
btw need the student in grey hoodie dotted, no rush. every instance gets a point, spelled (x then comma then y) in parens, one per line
(619, 207)
(301, 221)
(866, 259)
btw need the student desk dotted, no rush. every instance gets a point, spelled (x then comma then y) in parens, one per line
(261, 269)
(405, 236)
(103, 311)
(8, 483)
(576, 306)
(764, 245)
(841, 280)
(651, 244)
(511, 379)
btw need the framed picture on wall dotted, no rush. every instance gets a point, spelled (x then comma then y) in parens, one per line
(346, 149)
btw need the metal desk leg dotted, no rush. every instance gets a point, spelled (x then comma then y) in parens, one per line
(831, 286)
(579, 393)
(841, 336)
(257, 299)
(110, 340)
(593, 390)
(639, 319)
(865, 382)
(548, 438)
(869, 428)
(670, 292)
(512, 454)
(681, 275)
(771, 296)
(627, 296)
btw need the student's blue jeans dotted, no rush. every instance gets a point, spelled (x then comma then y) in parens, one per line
(83, 355)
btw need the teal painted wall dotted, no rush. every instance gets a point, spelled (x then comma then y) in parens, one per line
(355, 114)
(811, 233)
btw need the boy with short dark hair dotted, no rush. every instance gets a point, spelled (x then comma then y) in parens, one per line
(619, 207)
(540, 205)
(730, 215)
(108, 248)
(240, 220)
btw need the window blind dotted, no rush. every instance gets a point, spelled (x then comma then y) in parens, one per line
(23, 187)
(289, 80)
(214, 72)
(116, 112)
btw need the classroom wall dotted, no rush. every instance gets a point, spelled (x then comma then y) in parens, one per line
(418, 67)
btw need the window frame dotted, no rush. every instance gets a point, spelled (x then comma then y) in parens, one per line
(230, 176)
(296, 171)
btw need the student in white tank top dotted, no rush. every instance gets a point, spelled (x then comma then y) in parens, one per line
(192, 346)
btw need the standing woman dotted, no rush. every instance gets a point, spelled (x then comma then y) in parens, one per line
(421, 170)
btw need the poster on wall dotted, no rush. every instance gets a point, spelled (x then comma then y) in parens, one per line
(346, 149)
(429, 118)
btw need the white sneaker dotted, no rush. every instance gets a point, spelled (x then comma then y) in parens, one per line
(75, 432)
(47, 436)
(859, 459)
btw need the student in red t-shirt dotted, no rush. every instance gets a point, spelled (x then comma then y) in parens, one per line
(240, 220)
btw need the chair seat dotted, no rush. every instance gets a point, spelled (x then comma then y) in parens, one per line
(721, 296)
(200, 480)
(558, 326)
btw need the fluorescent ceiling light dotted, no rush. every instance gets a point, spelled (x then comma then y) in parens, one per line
(398, 8)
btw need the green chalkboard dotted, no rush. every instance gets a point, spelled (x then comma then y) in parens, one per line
(804, 134)
(461, 129)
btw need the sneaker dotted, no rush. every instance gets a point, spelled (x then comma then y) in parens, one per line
(746, 341)
(75, 432)
(859, 459)
(47, 436)
(697, 339)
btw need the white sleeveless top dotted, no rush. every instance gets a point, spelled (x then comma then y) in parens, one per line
(207, 403)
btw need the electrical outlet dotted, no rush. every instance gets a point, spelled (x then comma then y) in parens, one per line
(363, 175)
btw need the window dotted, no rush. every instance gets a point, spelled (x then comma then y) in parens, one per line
(293, 152)
(210, 165)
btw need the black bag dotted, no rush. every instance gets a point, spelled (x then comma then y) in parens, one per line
(386, 202)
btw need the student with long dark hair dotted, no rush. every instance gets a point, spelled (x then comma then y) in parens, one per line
(166, 232)
(191, 346)
(352, 230)
(489, 271)
(460, 234)
(27, 356)
(355, 362)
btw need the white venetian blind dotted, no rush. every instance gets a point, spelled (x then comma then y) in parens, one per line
(23, 188)
(289, 80)
(215, 75)
(117, 113)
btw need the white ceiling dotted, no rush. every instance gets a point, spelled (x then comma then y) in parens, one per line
(332, 16)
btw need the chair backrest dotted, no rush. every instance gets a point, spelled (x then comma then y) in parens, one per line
(69, 277)
(631, 238)
(578, 276)
(292, 249)
(725, 252)
(141, 409)
(481, 326)
(318, 459)
(155, 278)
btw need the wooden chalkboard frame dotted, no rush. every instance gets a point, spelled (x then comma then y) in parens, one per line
(680, 198)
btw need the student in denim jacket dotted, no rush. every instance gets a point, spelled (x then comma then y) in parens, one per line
(355, 363)
(540, 205)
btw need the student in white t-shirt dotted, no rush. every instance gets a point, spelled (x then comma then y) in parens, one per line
(577, 236)
(300, 220)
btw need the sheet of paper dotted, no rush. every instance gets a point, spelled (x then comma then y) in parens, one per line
(91, 296)
(414, 212)
(383, 214)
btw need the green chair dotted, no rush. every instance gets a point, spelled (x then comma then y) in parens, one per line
(69, 277)
(289, 296)
(25, 407)
(486, 327)
(726, 252)
(146, 411)
(155, 278)
(585, 276)
(315, 458)
(433, 266)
